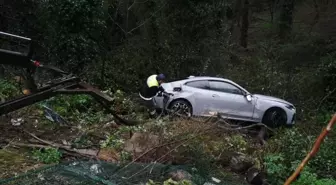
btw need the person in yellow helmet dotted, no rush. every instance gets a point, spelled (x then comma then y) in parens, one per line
(151, 88)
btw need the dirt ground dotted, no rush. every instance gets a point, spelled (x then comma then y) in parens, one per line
(14, 160)
(18, 160)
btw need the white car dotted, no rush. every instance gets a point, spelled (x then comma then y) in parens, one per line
(206, 96)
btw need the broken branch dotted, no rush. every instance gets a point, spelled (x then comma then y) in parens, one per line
(76, 154)
(67, 148)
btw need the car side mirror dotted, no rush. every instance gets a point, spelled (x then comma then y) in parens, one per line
(249, 97)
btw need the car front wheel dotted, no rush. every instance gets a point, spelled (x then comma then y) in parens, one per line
(275, 117)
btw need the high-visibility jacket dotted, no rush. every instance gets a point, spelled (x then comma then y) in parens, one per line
(150, 88)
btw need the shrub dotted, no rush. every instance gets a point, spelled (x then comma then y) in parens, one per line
(47, 155)
(275, 168)
(290, 146)
(8, 90)
(277, 172)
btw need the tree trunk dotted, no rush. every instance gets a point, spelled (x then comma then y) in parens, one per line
(244, 24)
(286, 18)
(272, 8)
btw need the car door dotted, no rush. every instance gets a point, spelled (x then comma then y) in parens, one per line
(229, 100)
(200, 97)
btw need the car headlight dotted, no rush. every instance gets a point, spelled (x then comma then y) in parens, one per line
(290, 107)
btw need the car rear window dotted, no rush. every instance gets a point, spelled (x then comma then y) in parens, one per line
(201, 84)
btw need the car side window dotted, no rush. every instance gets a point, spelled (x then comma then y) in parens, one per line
(200, 84)
(224, 87)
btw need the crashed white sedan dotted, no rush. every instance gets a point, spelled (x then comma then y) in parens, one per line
(206, 96)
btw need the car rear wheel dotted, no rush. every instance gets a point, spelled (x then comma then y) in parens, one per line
(181, 107)
(275, 117)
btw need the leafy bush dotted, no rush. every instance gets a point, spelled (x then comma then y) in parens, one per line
(278, 172)
(238, 143)
(8, 90)
(84, 109)
(122, 104)
(309, 178)
(47, 155)
(125, 157)
(68, 106)
(170, 182)
(290, 146)
(295, 144)
(113, 141)
(116, 139)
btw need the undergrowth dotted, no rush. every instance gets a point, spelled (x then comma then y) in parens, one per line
(47, 155)
(170, 182)
(286, 150)
(8, 90)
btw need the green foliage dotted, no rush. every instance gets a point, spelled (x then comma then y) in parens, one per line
(8, 89)
(324, 163)
(238, 143)
(82, 141)
(170, 182)
(79, 108)
(69, 105)
(291, 145)
(122, 103)
(118, 44)
(47, 155)
(86, 110)
(294, 144)
(113, 141)
(276, 170)
(199, 158)
(125, 157)
(69, 29)
(116, 140)
(309, 178)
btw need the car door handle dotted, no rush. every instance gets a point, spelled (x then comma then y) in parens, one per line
(214, 95)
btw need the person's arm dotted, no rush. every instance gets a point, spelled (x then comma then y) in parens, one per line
(161, 89)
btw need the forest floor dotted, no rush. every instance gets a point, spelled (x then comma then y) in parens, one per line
(16, 160)
(206, 143)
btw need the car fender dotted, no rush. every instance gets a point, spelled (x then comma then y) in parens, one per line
(262, 105)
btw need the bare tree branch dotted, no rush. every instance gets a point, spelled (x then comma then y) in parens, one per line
(135, 2)
(115, 22)
(144, 22)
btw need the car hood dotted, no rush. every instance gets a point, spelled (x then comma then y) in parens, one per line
(271, 98)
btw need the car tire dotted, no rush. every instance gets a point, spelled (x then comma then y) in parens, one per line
(183, 107)
(275, 117)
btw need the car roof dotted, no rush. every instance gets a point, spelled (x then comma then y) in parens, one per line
(192, 78)
(206, 78)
